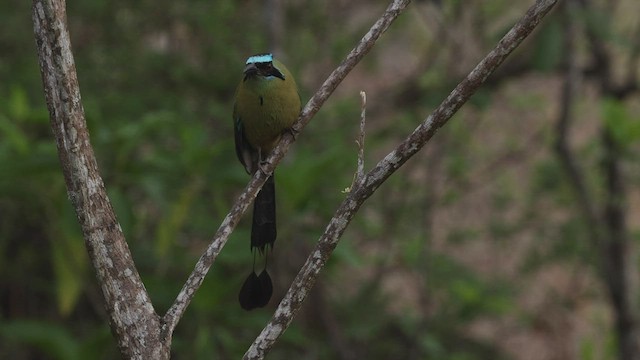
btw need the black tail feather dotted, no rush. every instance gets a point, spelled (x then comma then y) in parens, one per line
(263, 228)
(256, 291)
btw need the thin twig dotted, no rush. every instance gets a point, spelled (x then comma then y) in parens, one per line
(305, 279)
(357, 176)
(363, 115)
(173, 315)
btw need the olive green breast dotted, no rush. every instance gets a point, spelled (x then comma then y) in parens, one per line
(266, 107)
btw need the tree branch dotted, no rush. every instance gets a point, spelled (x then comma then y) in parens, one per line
(173, 315)
(360, 141)
(361, 190)
(575, 176)
(359, 174)
(131, 313)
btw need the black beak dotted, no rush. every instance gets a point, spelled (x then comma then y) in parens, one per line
(253, 70)
(277, 73)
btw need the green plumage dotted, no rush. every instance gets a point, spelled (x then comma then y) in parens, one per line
(266, 104)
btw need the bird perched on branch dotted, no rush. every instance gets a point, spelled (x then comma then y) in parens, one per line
(267, 104)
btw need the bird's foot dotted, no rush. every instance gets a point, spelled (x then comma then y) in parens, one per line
(294, 133)
(262, 166)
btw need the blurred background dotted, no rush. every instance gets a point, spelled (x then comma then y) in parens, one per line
(512, 235)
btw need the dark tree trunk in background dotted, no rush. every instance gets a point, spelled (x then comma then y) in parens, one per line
(607, 227)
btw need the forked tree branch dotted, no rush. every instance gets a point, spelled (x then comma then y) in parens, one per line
(366, 186)
(140, 333)
(130, 310)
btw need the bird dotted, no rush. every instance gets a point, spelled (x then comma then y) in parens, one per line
(267, 103)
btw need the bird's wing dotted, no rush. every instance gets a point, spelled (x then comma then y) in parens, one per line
(247, 155)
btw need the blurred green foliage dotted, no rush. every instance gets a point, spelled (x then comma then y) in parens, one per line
(157, 81)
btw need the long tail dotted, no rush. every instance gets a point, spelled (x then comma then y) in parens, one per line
(257, 289)
(263, 229)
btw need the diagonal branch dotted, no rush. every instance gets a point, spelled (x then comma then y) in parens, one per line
(175, 312)
(130, 311)
(364, 188)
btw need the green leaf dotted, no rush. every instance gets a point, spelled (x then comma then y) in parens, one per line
(624, 127)
(169, 229)
(53, 340)
(18, 103)
(70, 262)
(548, 48)
(13, 135)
